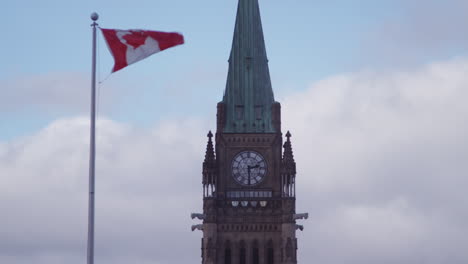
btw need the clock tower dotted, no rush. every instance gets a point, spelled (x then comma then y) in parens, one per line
(249, 176)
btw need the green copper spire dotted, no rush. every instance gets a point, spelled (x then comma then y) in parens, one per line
(248, 97)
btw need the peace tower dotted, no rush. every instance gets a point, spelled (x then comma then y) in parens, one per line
(249, 176)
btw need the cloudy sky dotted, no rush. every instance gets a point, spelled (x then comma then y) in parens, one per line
(374, 93)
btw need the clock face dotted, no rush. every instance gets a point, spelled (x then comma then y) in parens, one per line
(249, 168)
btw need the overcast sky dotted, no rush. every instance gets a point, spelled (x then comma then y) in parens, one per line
(374, 93)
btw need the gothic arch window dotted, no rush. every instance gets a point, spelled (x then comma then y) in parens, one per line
(227, 252)
(270, 253)
(255, 253)
(242, 253)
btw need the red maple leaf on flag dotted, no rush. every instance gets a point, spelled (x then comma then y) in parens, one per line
(135, 38)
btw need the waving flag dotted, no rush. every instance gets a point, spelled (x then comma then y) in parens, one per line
(130, 46)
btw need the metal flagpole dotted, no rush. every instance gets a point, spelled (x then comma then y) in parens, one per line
(92, 147)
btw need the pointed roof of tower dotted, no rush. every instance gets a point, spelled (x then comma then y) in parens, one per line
(288, 163)
(210, 158)
(248, 96)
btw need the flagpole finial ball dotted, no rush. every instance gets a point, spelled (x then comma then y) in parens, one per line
(94, 16)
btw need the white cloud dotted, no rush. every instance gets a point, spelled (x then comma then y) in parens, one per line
(382, 172)
(382, 165)
(146, 184)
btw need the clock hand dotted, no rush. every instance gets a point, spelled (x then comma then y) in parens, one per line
(249, 168)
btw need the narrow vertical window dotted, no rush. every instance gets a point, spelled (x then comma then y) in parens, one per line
(242, 253)
(270, 253)
(255, 254)
(270, 257)
(227, 253)
(239, 112)
(258, 112)
(210, 248)
(289, 249)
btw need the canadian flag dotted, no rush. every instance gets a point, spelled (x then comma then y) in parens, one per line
(130, 46)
